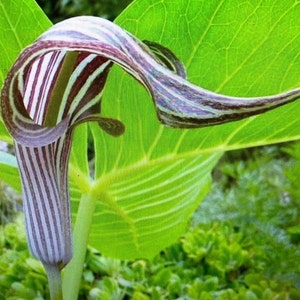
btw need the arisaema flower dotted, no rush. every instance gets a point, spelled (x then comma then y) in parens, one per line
(57, 82)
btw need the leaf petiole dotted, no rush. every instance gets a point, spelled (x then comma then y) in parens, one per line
(73, 271)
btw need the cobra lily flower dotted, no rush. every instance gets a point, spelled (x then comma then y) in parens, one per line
(57, 82)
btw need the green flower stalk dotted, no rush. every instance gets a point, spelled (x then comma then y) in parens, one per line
(57, 83)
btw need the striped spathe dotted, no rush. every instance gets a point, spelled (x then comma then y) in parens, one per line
(57, 83)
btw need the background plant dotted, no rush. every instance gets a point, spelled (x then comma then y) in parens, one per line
(242, 64)
(223, 254)
(62, 9)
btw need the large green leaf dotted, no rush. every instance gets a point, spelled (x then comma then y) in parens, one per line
(4, 135)
(152, 178)
(149, 181)
(9, 170)
(21, 22)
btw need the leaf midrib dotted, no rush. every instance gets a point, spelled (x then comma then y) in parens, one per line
(105, 180)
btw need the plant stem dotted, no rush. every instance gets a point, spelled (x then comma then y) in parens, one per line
(73, 271)
(54, 280)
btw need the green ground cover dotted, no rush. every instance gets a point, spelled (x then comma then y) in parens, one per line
(243, 243)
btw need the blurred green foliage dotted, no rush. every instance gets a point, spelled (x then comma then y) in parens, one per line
(10, 204)
(243, 243)
(62, 9)
(21, 276)
(259, 195)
